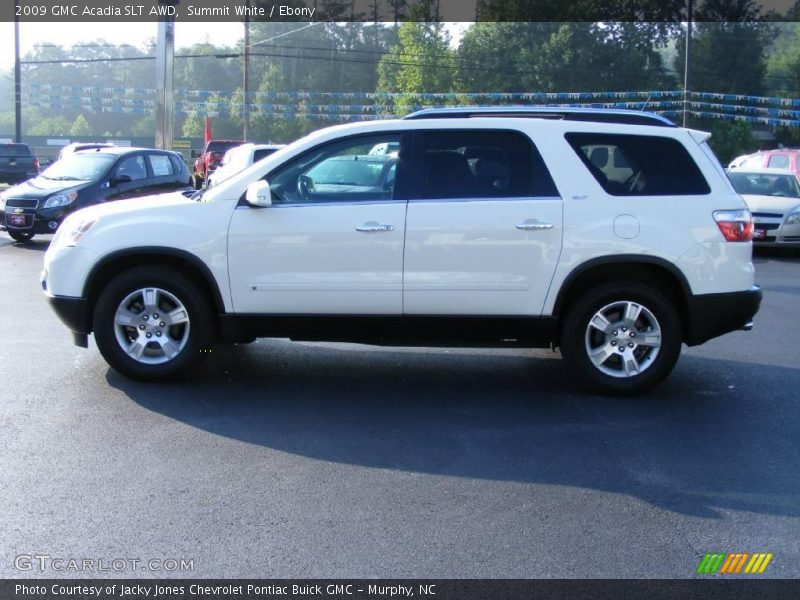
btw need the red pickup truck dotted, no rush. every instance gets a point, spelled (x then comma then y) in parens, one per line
(209, 159)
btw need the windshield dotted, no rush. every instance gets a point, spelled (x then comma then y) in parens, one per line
(765, 184)
(79, 167)
(221, 146)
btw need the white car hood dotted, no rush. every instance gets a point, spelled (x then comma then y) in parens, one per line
(776, 204)
(133, 205)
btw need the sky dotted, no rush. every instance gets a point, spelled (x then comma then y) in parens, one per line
(135, 34)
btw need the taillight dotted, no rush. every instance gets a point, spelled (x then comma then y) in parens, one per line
(735, 225)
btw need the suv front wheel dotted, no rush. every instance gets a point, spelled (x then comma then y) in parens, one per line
(152, 323)
(622, 338)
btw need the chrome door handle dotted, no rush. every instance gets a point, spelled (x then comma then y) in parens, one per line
(534, 226)
(373, 227)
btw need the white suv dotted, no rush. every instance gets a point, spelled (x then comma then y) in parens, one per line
(613, 235)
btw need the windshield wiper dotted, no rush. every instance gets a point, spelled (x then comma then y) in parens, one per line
(65, 178)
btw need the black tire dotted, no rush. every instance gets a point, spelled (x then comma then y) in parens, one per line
(578, 337)
(198, 339)
(20, 236)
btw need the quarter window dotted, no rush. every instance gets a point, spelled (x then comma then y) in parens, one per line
(481, 164)
(641, 166)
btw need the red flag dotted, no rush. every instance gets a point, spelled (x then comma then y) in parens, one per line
(208, 130)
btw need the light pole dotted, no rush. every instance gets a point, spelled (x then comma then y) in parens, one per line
(245, 82)
(686, 62)
(17, 79)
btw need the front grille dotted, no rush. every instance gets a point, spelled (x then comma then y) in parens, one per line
(21, 203)
(767, 215)
(767, 226)
(791, 238)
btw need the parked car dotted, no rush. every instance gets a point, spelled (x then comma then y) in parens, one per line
(80, 146)
(17, 163)
(86, 178)
(238, 159)
(497, 229)
(773, 196)
(209, 159)
(783, 158)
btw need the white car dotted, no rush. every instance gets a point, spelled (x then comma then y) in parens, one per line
(773, 196)
(497, 229)
(238, 159)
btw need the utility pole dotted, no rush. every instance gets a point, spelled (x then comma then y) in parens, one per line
(17, 80)
(686, 63)
(245, 82)
(165, 92)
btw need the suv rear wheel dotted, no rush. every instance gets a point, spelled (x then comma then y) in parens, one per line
(152, 323)
(622, 338)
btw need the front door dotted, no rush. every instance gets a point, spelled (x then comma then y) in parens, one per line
(332, 242)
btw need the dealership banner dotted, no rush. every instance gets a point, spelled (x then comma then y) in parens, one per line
(657, 11)
(715, 588)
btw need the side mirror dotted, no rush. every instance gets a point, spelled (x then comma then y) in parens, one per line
(258, 194)
(117, 179)
(194, 154)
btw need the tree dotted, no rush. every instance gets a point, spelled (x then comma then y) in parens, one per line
(421, 62)
(80, 127)
(728, 48)
(731, 139)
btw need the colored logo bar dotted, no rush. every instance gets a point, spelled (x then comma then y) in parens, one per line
(734, 562)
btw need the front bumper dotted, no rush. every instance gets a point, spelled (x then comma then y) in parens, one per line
(775, 232)
(36, 222)
(74, 313)
(712, 315)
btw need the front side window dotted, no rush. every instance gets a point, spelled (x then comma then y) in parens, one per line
(481, 164)
(341, 172)
(133, 167)
(642, 165)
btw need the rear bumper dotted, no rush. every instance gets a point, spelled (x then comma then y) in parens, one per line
(712, 315)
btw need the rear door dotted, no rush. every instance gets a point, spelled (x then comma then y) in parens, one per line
(163, 177)
(484, 225)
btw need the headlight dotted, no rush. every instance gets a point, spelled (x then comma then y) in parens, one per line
(71, 231)
(793, 218)
(60, 200)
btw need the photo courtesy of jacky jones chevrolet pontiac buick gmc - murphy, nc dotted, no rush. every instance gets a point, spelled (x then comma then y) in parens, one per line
(613, 235)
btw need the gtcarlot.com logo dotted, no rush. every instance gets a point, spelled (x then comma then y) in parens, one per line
(733, 563)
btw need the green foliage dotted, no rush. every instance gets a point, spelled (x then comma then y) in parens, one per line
(80, 128)
(731, 139)
(421, 62)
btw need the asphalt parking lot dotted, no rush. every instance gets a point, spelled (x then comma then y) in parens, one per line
(281, 459)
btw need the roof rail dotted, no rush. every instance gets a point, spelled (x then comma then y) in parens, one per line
(598, 115)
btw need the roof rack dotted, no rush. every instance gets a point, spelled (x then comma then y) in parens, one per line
(597, 115)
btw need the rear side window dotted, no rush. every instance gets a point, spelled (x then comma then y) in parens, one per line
(642, 165)
(778, 161)
(481, 164)
(161, 165)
